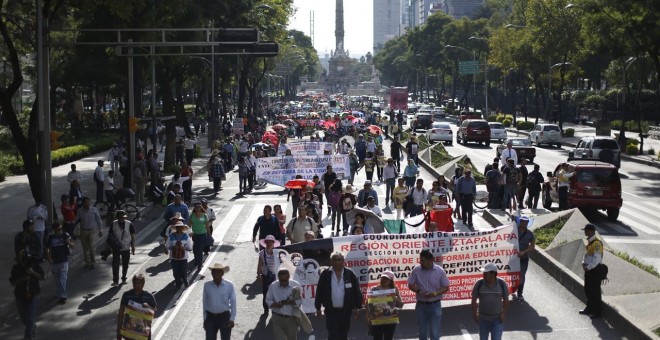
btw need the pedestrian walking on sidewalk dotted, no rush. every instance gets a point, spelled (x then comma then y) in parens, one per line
(216, 171)
(73, 175)
(38, 214)
(187, 173)
(139, 180)
(57, 252)
(113, 156)
(522, 187)
(338, 292)
(591, 263)
(210, 213)
(283, 296)
(219, 304)
(490, 302)
(178, 245)
(27, 240)
(121, 238)
(189, 144)
(428, 281)
(90, 224)
(26, 275)
(534, 181)
(98, 179)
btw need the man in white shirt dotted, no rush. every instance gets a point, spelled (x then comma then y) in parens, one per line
(390, 173)
(109, 188)
(98, 179)
(219, 304)
(509, 152)
(189, 146)
(39, 214)
(418, 194)
(282, 296)
(74, 175)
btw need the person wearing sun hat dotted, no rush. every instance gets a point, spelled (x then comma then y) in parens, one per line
(347, 202)
(267, 266)
(179, 244)
(386, 282)
(492, 295)
(219, 304)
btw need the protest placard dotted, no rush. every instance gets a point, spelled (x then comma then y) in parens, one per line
(137, 321)
(306, 148)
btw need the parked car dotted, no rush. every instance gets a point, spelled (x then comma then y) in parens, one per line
(440, 132)
(522, 145)
(473, 130)
(594, 185)
(438, 112)
(497, 131)
(602, 148)
(422, 120)
(375, 107)
(546, 134)
(412, 108)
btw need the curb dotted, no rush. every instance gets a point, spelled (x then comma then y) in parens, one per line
(617, 319)
(623, 157)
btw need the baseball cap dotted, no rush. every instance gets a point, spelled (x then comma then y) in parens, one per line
(589, 226)
(489, 267)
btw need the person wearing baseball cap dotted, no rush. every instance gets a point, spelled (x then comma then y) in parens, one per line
(492, 295)
(386, 283)
(593, 257)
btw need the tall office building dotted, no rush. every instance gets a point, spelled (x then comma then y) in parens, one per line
(387, 21)
(461, 8)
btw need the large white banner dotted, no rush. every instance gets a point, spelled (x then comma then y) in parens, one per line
(279, 170)
(460, 254)
(306, 148)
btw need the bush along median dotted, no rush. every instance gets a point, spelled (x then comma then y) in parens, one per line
(11, 164)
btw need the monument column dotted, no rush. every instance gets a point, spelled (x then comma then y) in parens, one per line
(339, 26)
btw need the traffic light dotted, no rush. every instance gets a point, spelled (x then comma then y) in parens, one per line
(54, 143)
(133, 124)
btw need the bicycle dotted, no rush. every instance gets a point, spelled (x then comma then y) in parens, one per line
(481, 199)
(132, 212)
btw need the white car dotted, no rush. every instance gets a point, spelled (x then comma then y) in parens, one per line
(497, 131)
(440, 132)
(546, 134)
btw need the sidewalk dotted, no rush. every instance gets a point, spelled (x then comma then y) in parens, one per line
(16, 189)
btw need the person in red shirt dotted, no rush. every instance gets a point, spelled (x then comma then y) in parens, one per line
(187, 171)
(68, 209)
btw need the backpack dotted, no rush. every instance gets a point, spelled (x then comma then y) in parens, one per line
(505, 290)
(309, 220)
(512, 178)
(334, 197)
(178, 251)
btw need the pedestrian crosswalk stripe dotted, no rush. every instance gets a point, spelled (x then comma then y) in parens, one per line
(637, 225)
(636, 207)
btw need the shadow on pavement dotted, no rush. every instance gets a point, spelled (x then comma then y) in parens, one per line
(159, 268)
(92, 301)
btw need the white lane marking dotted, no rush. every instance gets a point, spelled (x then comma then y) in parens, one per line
(637, 225)
(640, 206)
(627, 193)
(630, 241)
(466, 334)
(218, 234)
(247, 223)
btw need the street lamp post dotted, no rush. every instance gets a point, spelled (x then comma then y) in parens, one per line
(550, 87)
(485, 76)
(474, 58)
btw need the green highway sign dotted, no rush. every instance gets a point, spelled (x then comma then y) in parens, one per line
(466, 67)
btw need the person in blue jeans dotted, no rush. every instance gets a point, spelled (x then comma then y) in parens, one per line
(428, 281)
(490, 302)
(26, 276)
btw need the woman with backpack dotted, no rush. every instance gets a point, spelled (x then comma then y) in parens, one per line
(334, 198)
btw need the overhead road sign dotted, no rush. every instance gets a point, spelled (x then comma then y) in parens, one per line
(466, 67)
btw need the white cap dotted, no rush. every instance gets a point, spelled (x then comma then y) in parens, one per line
(489, 267)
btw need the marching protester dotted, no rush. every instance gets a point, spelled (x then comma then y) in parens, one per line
(338, 292)
(26, 275)
(267, 225)
(299, 225)
(348, 202)
(90, 224)
(283, 296)
(410, 173)
(490, 302)
(466, 187)
(136, 295)
(219, 304)
(526, 245)
(418, 196)
(390, 173)
(386, 332)
(511, 176)
(267, 266)
(121, 238)
(178, 245)
(57, 252)
(334, 198)
(210, 213)
(365, 193)
(534, 181)
(199, 223)
(281, 217)
(458, 174)
(428, 281)
(400, 193)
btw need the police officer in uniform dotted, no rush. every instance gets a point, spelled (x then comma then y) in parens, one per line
(590, 263)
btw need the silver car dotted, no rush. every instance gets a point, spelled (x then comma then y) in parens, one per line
(602, 148)
(497, 131)
(440, 132)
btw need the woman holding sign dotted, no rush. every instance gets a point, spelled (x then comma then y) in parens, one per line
(384, 302)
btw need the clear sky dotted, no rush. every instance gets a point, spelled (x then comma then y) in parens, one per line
(358, 24)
